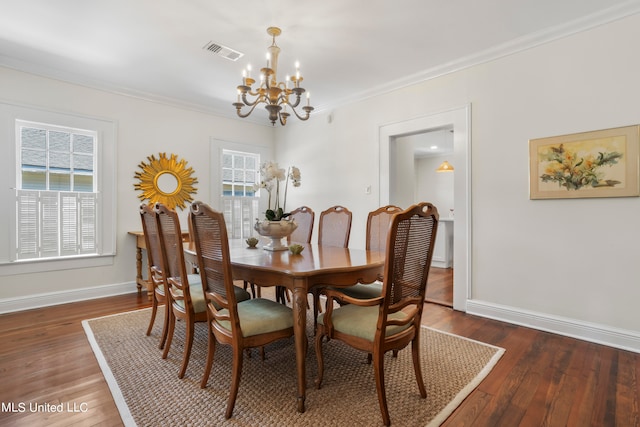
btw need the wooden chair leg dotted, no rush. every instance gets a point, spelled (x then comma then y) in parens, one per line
(165, 327)
(320, 359)
(282, 295)
(378, 367)
(154, 309)
(211, 349)
(235, 381)
(253, 288)
(316, 308)
(188, 342)
(415, 351)
(172, 325)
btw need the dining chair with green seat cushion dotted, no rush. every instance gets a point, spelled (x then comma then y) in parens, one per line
(378, 222)
(241, 324)
(259, 316)
(157, 278)
(197, 297)
(185, 290)
(362, 321)
(334, 229)
(363, 290)
(392, 320)
(180, 288)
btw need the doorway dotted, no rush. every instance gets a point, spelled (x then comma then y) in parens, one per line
(418, 177)
(457, 120)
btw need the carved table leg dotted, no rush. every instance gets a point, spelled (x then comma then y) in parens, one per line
(139, 279)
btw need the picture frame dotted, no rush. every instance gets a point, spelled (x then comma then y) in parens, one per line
(602, 163)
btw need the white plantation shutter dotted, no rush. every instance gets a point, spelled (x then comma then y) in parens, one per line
(69, 215)
(55, 224)
(88, 213)
(49, 223)
(239, 215)
(28, 220)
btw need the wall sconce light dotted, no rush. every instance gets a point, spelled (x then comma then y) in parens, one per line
(445, 167)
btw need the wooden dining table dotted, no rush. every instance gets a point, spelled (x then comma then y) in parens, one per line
(315, 267)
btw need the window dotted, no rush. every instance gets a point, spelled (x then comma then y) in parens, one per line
(240, 172)
(59, 171)
(56, 197)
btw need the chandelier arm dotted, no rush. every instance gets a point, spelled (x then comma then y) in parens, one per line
(296, 103)
(307, 110)
(255, 104)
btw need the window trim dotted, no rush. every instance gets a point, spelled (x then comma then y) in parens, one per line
(106, 185)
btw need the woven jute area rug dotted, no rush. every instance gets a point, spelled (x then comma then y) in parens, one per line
(148, 392)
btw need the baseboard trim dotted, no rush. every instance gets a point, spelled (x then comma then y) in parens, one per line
(592, 332)
(10, 305)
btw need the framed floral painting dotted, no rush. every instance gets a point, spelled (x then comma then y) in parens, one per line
(601, 163)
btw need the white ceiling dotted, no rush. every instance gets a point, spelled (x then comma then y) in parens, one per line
(348, 50)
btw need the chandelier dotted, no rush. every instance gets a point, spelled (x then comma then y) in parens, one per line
(278, 97)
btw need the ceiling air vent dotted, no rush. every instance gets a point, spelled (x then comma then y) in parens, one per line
(225, 52)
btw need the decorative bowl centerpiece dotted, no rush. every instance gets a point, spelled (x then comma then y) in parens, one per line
(275, 230)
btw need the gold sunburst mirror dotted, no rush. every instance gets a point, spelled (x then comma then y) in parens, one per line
(166, 180)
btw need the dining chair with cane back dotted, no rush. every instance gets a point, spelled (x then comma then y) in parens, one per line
(304, 217)
(334, 229)
(241, 324)
(157, 278)
(378, 222)
(185, 294)
(392, 320)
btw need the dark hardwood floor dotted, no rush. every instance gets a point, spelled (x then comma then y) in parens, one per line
(440, 286)
(542, 380)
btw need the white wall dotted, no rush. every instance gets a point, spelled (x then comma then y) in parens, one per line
(144, 128)
(564, 265)
(403, 172)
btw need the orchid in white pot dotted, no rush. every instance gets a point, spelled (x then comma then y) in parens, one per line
(271, 176)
